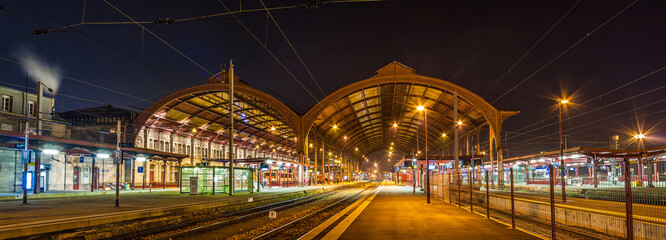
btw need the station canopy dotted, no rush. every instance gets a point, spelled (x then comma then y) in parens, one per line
(202, 112)
(379, 113)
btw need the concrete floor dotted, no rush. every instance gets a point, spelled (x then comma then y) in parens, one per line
(397, 213)
(74, 205)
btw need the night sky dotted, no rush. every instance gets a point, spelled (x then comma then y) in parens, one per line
(469, 43)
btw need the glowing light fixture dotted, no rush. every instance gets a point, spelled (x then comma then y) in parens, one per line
(443, 134)
(273, 128)
(335, 126)
(420, 108)
(460, 122)
(639, 136)
(345, 137)
(50, 151)
(564, 101)
(141, 159)
(102, 155)
(395, 124)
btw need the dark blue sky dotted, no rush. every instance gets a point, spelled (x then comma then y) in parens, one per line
(470, 43)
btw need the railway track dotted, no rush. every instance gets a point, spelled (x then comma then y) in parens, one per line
(195, 229)
(297, 228)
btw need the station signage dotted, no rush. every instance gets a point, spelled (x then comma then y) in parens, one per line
(117, 157)
(25, 156)
(139, 169)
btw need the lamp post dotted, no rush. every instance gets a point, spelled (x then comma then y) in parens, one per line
(425, 119)
(639, 141)
(562, 166)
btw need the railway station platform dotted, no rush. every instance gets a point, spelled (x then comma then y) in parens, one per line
(89, 210)
(398, 213)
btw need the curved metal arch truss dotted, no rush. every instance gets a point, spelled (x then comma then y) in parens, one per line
(366, 110)
(201, 112)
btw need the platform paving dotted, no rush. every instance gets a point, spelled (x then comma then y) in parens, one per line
(397, 213)
(79, 205)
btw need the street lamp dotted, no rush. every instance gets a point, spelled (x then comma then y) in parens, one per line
(562, 167)
(425, 119)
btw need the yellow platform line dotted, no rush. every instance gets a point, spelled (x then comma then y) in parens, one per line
(316, 231)
(342, 227)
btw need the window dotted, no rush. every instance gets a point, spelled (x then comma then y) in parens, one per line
(6, 103)
(32, 111)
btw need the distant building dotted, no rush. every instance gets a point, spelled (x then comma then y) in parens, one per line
(94, 124)
(18, 106)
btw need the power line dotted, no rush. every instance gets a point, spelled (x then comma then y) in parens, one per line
(532, 47)
(88, 36)
(159, 38)
(564, 52)
(292, 47)
(641, 116)
(269, 52)
(613, 116)
(599, 96)
(71, 78)
(59, 94)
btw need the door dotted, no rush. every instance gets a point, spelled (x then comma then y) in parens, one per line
(95, 177)
(75, 180)
(163, 179)
(152, 176)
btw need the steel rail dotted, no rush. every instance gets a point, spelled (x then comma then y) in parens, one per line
(248, 213)
(269, 234)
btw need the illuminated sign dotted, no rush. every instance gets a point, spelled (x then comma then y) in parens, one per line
(27, 180)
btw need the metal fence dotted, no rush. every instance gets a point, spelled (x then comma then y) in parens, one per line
(614, 200)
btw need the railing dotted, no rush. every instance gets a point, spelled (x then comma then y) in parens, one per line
(607, 210)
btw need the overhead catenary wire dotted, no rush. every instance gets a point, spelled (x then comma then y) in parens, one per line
(564, 52)
(90, 37)
(292, 47)
(517, 132)
(532, 47)
(604, 106)
(59, 94)
(277, 25)
(610, 117)
(72, 78)
(267, 50)
(159, 38)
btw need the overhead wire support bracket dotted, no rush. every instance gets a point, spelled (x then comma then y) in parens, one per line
(162, 21)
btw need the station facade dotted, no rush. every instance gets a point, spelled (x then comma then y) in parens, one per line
(190, 128)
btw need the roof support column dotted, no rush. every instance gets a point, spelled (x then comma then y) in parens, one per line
(455, 136)
(171, 143)
(145, 137)
(231, 128)
(491, 153)
(192, 151)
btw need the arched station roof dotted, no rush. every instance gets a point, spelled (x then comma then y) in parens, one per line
(362, 115)
(202, 112)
